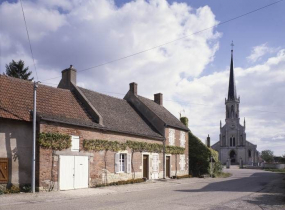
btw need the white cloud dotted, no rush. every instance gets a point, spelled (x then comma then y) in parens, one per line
(259, 51)
(262, 102)
(88, 33)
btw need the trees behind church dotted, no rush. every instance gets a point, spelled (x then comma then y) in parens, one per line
(267, 156)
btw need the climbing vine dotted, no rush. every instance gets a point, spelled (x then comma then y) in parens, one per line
(55, 141)
(174, 150)
(101, 145)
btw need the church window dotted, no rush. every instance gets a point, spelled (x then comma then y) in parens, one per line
(232, 111)
(249, 153)
(234, 142)
(231, 142)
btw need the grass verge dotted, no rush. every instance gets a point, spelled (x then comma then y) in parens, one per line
(275, 170)
(222, 175)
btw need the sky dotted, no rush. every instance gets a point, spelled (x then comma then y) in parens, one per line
(192, 73)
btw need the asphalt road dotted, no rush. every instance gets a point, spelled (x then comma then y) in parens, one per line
(246, 189)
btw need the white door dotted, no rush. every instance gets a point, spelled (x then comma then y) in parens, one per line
(81, 172)
(66, 173)
(155, 168)
(73, 172)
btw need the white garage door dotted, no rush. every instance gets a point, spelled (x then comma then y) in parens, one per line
(73, 172)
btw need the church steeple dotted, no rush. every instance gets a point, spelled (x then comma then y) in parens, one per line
(232, 95)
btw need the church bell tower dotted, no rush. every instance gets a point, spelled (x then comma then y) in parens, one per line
(232, 102)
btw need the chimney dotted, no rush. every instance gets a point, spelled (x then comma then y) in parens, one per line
(208, 142)
(134, 88)
(158, 98)
(68, 77)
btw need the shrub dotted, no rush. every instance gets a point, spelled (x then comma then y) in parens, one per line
(182, 177)
(12, 189)
(123, 182)
(26, 188)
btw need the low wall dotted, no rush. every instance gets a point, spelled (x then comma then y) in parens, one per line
(272, 165)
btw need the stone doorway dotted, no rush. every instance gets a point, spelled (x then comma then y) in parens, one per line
(233, 157)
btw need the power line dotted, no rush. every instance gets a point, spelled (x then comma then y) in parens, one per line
(29, 39)
(181, 102)
(169, 42)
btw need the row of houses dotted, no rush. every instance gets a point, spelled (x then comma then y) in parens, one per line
(86, 120)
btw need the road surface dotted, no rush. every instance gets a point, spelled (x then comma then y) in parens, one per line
(246, 189)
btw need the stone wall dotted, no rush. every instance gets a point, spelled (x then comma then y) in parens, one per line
(101, 164)
(16, 145)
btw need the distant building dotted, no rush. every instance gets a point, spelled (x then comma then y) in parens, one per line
(232, 143)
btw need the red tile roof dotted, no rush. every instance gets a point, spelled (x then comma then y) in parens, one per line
(16, 102)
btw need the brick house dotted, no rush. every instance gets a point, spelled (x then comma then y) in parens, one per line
(85, 115)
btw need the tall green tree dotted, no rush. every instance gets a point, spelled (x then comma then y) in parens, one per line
(267, 155)
(18, 70)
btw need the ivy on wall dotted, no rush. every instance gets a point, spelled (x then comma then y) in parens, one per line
(55, 141)
(100, 145)
(174, 150)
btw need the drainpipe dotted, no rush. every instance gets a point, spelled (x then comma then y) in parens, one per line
(164, 158)
(34, 139)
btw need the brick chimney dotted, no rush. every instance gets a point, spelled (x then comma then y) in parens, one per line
(68, 77)
(134, 88)
(208, 141)
(158, 98)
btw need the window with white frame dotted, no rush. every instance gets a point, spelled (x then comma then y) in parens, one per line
(182, 139)
(75, 143)
(122, 163)
(171, 137)
(182, 162)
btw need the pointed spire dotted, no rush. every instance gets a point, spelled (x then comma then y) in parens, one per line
(220, 123)
(232, 87)
(244, 123)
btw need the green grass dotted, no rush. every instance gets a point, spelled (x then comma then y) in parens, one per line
(275, 170)
(223, 175)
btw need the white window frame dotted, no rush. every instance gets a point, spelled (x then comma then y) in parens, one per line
(171, 137)
(123, 165)
(75, 141)
(182, 162)
(182, 139)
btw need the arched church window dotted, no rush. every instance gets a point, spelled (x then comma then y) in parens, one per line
(234, 142)
(232, 111)
(228, 114)
(249, 153)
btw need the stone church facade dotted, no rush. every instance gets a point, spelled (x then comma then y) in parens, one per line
(232, 143)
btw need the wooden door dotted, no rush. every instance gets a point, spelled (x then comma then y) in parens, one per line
(73, 172)
(81, 172)
(66, 173)
(167, 166)
(4, 175)
(155, 166)
(145, 166)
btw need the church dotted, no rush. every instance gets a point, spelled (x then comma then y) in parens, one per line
(232, 143)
